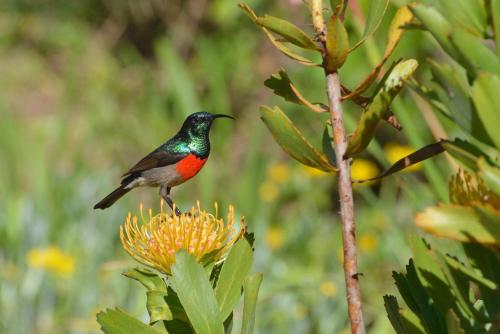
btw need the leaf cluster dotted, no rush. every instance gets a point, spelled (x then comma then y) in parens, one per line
(332, 44)
(196, 298)
(445, 293)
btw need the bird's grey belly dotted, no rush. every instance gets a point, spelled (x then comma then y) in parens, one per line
(156, 177)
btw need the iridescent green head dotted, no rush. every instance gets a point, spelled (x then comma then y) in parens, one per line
(199, 123)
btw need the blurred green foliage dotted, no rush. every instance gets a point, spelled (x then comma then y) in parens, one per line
(88, 87)
(453, 287)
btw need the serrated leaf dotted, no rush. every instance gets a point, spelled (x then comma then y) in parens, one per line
(279, 45)
(485, 96)
(190, 282)
(403, 321)
(118, 322)
(466, 224)
(375, 15)
(402, 17)
(282, 86)
(148, 278)
(337, 44)
(430, 273)
(365, 129)
(288, 31)
(251, 290)
(236, 267)
(292, 140)
(416, 297)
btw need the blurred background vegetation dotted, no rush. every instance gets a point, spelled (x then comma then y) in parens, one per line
(88, 87)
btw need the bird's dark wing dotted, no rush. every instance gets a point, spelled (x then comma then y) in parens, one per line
(157, 158)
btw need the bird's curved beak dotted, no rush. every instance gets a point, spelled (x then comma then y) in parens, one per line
(222, 116)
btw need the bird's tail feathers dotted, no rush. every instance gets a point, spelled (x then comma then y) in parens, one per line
(109, 200)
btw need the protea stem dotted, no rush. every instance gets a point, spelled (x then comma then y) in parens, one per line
(344, 180)
(346, 205)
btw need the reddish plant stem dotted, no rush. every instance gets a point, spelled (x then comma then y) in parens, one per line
(339, 144)
(346, 205)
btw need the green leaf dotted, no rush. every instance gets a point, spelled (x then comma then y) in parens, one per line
(486, 261)
(485, 96)
(466, 224)
(403, 321)
(365, 129)
(465, 13)
(436, 24)
(148, 278)
(416, 297)
(190, 282)
(477, 54)
(376, 13)
(470, 273)
(455, 95)
(490, 175)
(403, 16)
(288, 31)
(251, 290)
(430, 273)
(118, 322)
(282, 86)
(236, 267)
(158, 308)
(460, 287)
(279, 45)
(178, 327)
(337, 44)
(292, 140)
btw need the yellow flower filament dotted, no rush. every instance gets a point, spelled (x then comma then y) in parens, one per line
(156, 241)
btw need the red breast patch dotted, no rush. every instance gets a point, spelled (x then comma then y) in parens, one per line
(189, 166)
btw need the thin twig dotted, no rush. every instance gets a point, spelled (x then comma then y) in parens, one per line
(346, 205)
(339, 144)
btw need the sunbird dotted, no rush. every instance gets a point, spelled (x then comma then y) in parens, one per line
(173, 163)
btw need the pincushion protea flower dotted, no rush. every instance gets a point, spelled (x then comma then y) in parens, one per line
(156, 241)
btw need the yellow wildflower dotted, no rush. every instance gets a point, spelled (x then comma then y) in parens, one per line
(395, 152)
(268, 191)
(368, 242)
(156, 241)
(51, 259)
(279, 173)
(362, 169)
(313, 172)
(328, 288)
(275, 238)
